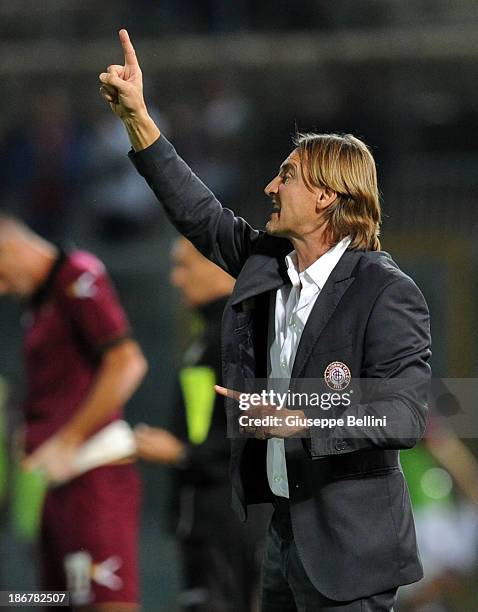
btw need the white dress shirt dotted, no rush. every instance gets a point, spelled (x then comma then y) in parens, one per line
(293, 306)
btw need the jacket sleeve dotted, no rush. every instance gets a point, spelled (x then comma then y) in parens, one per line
(395, 377)
(193, 209)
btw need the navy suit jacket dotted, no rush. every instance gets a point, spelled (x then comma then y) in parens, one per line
(350, 508)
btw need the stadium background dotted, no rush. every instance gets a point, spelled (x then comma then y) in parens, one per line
(231, 82)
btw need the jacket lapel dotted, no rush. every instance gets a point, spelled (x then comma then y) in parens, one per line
(265, 270)
(337, 284)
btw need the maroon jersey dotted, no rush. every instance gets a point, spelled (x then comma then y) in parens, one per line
(71, 320)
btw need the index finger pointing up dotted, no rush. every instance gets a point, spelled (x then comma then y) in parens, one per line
(128, 49)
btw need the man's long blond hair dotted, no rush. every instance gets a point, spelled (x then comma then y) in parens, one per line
(345, 165)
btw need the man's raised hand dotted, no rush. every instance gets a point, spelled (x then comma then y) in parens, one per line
(122, 86)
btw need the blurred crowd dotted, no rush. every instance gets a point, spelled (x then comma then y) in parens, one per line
(192, 16)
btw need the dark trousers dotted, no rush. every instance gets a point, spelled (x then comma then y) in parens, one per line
(286, 586)
(222, 564)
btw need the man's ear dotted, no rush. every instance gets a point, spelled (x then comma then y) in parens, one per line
(325, 197)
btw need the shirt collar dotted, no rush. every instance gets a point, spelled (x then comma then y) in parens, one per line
(318, 272)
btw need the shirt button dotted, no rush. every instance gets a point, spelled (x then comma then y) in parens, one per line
(284, 363)
(276, 478)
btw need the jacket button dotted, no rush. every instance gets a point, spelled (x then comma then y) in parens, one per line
(340, 445)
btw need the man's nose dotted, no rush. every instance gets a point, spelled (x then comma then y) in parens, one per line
(271, 188)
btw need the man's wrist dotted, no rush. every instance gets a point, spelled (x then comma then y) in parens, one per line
(298, 429)
(142, 130)
(71, 436)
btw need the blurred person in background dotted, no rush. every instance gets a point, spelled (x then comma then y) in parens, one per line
(122, 207)
(342, 534)
(220, 556)
(442, 474)
(82, 365)
(46, 163)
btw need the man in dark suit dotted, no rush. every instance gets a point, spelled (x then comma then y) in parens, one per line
(316, 300)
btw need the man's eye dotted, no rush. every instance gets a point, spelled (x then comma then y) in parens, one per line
(286, 178)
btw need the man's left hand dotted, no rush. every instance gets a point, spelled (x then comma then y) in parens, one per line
(265, 420)
(156, 444)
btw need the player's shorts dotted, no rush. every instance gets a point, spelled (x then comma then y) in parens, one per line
(89, 536)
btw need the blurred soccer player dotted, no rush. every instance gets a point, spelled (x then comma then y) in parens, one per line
(220, 556)
(81, 367)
